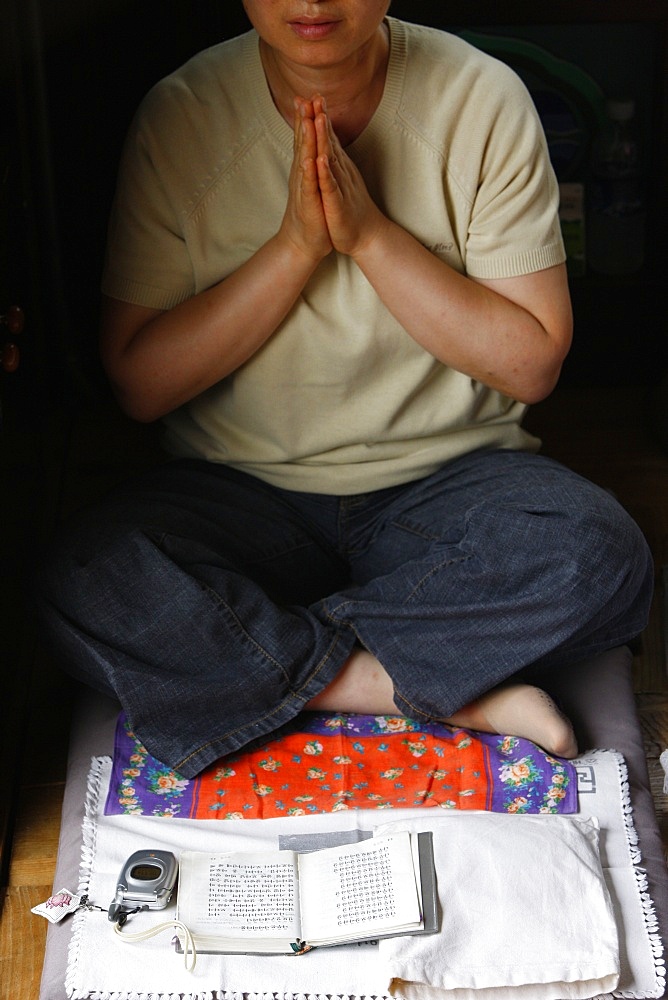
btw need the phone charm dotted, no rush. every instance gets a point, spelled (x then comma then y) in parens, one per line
(61, 904)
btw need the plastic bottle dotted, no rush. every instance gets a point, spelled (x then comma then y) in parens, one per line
(616, 223)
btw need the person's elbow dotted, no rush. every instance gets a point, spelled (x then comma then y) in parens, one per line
(139, 391)
(539, 377)
(136, 402)
(130, 362)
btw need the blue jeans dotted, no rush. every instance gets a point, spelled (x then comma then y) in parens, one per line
(214, 606)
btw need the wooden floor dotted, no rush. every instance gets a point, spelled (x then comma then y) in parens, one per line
(601, 433)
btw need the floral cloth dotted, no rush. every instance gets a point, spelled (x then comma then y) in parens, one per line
(339, 762)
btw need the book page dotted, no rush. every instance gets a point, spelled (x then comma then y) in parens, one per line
(368, 888)
(249, 895)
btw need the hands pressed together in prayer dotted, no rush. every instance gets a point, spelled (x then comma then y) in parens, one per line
(511, 335)
(329, 206)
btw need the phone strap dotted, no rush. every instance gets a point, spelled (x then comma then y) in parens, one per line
(189, 950)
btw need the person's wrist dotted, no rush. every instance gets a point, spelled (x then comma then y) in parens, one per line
(300, 254)
(303, 255)
(374, 239)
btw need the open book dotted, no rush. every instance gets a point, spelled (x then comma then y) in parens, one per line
(288, 902)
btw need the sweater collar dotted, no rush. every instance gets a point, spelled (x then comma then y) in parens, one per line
(275, 125)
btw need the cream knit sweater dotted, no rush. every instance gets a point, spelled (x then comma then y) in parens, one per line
(340, 399)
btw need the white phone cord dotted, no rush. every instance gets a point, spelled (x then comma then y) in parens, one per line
(188, 943)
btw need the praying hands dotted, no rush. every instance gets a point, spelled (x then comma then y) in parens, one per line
(329, 206)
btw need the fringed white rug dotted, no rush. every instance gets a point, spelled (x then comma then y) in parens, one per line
(101, 966)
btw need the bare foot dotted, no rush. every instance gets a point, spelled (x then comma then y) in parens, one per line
(520, 710)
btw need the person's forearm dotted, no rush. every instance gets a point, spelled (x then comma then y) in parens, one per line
(185, 350)
(463, 323)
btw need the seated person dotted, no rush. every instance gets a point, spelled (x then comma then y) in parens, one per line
(335, 271)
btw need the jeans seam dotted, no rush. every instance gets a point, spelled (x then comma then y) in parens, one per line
(435, 569)
(292, 696)
(414, 710)
(415, 529)
(332, 612)
(220, 603)
(227, 735)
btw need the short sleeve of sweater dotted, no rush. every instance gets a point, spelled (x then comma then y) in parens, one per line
(148, 260)
(184, 195)
(515, 227)
(473, 114)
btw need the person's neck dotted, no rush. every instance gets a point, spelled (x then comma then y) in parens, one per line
(352, 91)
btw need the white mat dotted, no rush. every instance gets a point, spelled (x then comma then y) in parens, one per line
(102, 967)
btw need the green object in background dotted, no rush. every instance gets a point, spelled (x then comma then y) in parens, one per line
(569, 101)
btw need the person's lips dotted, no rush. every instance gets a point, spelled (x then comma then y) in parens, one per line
(312, 29)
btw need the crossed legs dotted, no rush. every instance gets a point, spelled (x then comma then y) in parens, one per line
(167, 596)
